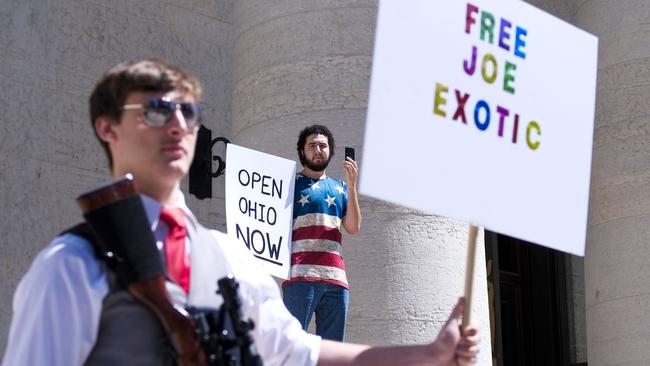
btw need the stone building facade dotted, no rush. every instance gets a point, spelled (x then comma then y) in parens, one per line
(271, 67)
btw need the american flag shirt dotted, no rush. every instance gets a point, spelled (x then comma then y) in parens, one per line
(318, 210)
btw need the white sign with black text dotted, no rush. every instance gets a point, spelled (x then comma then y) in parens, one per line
(259, 205)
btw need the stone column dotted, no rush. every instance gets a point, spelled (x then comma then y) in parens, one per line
(299, 62)
(616, 265)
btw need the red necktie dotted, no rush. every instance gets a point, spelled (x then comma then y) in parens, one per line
(178, 262)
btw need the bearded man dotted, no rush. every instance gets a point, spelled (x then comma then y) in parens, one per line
(317, 283)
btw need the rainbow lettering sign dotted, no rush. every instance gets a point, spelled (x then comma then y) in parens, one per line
(484, 111)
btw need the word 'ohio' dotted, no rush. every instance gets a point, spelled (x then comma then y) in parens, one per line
(482, 114)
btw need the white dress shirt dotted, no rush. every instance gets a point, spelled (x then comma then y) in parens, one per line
(58, 303)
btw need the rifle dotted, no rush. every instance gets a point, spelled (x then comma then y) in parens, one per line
(121, 236)
(225, 336)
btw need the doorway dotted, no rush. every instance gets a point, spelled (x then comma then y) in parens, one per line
(528, 303)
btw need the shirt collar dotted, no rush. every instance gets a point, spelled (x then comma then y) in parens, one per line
(153, 208)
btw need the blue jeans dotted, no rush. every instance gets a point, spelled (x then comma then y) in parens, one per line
(329, 302)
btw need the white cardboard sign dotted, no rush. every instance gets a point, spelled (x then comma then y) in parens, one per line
(259, 205)
(483, 111)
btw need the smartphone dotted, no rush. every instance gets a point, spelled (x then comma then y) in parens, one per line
(349, 152)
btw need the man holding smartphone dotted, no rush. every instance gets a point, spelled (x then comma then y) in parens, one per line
(317, 281)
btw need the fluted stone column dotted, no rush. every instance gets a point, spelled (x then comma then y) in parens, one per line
(618, 251)
(302, 62)
(52, 55)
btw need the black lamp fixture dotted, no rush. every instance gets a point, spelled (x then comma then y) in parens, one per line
(201, 173)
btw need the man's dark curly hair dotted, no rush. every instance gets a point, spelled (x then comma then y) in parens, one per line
(313, 130)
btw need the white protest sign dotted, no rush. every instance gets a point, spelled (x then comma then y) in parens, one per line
(259, 205)
(483, 111)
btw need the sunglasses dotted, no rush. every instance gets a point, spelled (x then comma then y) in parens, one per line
(159, 111)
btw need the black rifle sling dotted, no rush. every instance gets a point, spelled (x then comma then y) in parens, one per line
(113, 262)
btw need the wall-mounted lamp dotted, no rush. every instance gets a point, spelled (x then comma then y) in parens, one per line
(201, 173)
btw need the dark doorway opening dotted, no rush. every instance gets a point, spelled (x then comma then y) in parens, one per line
(528, 303)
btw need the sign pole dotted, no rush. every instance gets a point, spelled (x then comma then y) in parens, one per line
(469, 274)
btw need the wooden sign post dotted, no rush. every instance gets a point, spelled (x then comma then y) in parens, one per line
(469, 274)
